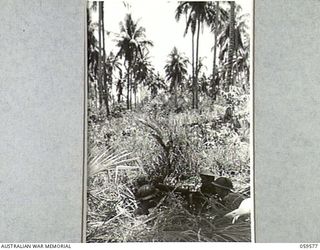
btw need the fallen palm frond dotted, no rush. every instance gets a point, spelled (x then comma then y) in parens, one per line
(107, 159)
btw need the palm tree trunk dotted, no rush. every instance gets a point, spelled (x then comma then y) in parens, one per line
(135, 98)
(128, 87)
(197, 66)
(231, 46)
(193, 80)
(176, 94)
(99, 95)
(106, 89)
(119, 97)
(130, 100)
(215, 44)
(120, 88)
(96, 92)
(235, 74)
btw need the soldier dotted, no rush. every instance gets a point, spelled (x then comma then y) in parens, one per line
(218, 189)
(224, 190)
(222, 186)
(207, 177)
(147, 198)
(199, 200)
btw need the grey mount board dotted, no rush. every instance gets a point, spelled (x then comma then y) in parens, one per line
(41, 110)
(287, 137)
(42, 107)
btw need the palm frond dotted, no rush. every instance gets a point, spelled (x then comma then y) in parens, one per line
(100, 160)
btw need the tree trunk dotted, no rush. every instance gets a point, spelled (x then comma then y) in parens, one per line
(193, 80)
(235, 75)
(176, 94)
(99, 96)
(215, 47)
(119, 87)
(231, 46)
(197, 66)
(119, 90)
(130, 99)
(104, 80)
(128, 87)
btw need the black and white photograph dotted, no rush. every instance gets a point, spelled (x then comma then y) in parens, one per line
(169, 121)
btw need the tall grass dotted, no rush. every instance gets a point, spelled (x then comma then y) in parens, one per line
(162, 144)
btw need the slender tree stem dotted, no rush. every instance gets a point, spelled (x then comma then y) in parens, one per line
(231, 46)
(99, 95)
(197, 66)
(104, 80)
(193, 80)
(215, 46)
(128, 86)
(175, 93)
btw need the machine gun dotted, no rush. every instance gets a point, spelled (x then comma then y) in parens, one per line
(196, 199)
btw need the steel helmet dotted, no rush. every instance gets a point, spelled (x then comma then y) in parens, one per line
(207, 172)
(146, 192)
(224, 183)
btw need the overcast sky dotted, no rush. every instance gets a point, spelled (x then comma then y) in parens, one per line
(158, 17)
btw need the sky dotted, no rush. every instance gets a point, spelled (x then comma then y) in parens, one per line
(158, 18)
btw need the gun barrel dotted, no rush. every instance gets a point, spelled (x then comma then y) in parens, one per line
(167, 188)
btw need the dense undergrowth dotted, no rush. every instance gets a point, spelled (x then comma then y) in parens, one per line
(161, 141)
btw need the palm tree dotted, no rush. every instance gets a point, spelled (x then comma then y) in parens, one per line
(155, 83)
(93, 54)
(142, 69)
(204, 83)
(241, 44)
(131, 41)
(215, 39)
(183, 8)
(104, 75)
(91, 43)
(231, 46)
(119, 87)
(100, 70)
(111, 65)
(219, 18)
(198, 13)
(242, 64)
(202, 80)
(176, 70)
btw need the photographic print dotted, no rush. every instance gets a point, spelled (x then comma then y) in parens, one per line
(169, 121)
